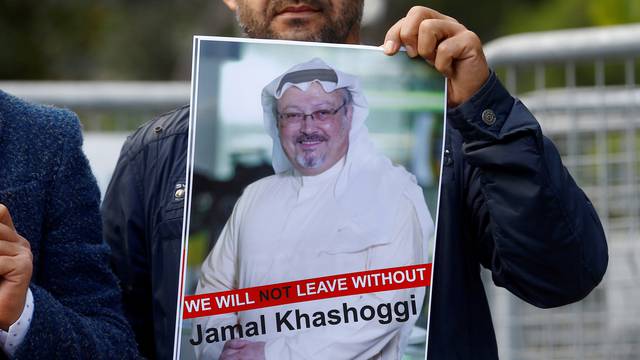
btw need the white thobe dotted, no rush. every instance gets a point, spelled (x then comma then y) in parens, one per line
(288, 227)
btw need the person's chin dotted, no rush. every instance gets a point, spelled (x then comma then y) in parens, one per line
(311, 158)
(298, 29)
(311, 165)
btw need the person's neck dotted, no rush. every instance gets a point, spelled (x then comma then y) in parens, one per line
(317, 178)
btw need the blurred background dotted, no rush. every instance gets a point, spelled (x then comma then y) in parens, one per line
(151, 40)
(574, 63)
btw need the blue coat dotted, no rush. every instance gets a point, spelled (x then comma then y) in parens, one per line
(46, 183)
(507, 203)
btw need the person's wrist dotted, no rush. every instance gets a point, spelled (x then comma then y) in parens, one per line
(16, 300)
(468, 107)
(17, 332)
(484, 114)
(473, 86)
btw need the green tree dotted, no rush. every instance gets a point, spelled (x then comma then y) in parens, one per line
(151, 40)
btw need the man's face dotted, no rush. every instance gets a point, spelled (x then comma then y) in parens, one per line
(334, 21)
(313, 145)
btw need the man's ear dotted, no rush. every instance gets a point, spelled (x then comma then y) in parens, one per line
(348, 118)
(231, 4)
(350, 111)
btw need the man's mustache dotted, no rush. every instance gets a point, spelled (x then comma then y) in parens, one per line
(277, 6)
(311, 137)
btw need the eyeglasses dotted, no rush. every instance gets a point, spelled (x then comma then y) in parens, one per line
(322, 115)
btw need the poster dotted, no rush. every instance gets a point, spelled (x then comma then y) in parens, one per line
(313, 184)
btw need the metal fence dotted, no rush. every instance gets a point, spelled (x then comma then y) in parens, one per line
(582, 86)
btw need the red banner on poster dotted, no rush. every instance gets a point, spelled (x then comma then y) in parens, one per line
(325, 287)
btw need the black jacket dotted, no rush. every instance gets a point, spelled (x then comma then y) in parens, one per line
(142, 215)
(507, 203)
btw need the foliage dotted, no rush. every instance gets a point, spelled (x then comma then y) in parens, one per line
(557, 14)
(151, 40)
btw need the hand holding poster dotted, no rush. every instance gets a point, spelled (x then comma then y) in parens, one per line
(328, 258)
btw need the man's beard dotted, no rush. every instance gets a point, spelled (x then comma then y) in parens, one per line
(336, 27)
(309, 160)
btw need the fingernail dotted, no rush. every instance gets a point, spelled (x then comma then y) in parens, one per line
(410, 50)
(388, 46)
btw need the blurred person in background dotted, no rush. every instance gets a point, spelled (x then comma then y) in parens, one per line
(507, 202)
(58, 296)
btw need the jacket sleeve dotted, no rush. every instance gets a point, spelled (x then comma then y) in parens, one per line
(77, 311)
(123, 213)
(532, 225)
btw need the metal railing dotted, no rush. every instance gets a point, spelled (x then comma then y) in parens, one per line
(102, 94)
(582, 86)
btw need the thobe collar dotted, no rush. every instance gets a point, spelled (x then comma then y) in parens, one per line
(306, 184)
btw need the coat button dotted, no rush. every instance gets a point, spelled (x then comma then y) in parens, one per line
(489, 117)
(179, 194)
(447, 157)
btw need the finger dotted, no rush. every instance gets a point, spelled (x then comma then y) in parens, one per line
(392, 39)
(428, 13)
(8, 248)
(432, 32)
(229, 354)
(21, 260)
(8, 233)
(5, 216)
(458, 48)
(411, 26)
(7, 264)
(236, 344)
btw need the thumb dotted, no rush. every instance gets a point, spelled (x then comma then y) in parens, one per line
(236, 344)
(5, 217)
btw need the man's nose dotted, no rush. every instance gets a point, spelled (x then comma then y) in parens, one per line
(308, 124)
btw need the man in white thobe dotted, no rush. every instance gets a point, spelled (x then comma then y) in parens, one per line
(335, 205)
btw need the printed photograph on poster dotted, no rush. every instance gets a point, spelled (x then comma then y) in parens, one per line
(313, 182)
